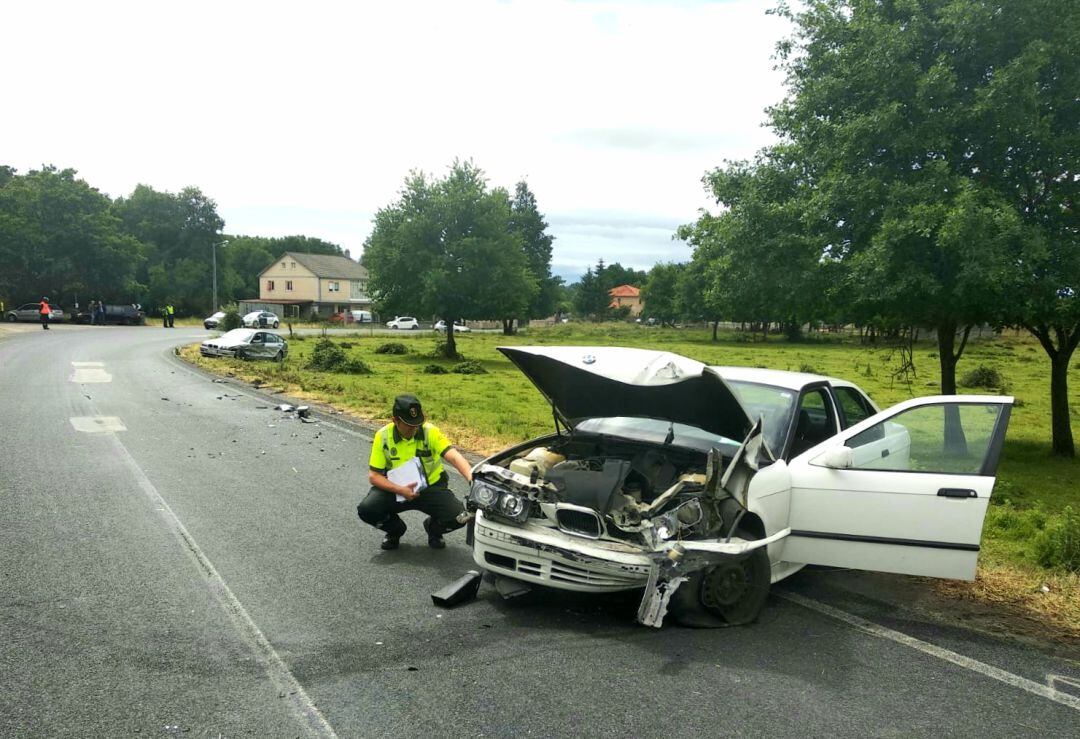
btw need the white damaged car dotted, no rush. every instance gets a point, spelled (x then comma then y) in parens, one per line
(704, 485)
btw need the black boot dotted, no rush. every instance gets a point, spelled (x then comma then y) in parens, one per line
(390, 542)
(434, 538)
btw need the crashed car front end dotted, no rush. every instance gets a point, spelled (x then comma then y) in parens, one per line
(594, 513)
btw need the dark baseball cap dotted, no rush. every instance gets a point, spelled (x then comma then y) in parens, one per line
(407, 409)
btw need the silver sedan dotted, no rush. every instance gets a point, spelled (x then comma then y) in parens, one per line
(246, 343)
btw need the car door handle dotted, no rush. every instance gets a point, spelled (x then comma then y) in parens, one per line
(957, 493)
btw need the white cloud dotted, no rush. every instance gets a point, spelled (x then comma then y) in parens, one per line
(305, 118)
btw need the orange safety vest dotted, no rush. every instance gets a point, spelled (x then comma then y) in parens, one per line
(44, 309)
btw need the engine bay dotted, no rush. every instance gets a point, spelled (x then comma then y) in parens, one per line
(596, 486)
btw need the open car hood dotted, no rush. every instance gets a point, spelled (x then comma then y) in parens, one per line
(584, 382)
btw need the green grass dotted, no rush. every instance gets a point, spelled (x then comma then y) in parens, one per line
(485, 412)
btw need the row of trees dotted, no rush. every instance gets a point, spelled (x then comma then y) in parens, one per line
(926, 175)
(455, 248)
(61, 237)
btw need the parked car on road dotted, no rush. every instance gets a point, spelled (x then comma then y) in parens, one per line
(459, 327)
(29, 312)
(704, 485)
(126, 315)
(403, 322)
(212, 321)
(245, 343)
(352, 316)
(261, 319)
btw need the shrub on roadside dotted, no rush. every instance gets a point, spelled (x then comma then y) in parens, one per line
(355, 366)
(230, 321)
(326, 356)
(392, 347)
(1058, 545)
(435, 369)
(982, 376)
(469, 367)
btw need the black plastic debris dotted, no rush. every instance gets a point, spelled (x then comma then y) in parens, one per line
(464, 588)
(303, 411)
(508, 588)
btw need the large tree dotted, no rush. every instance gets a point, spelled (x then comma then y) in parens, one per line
(660, 295)
(941, 137)
(59, 238)
(445, 248)
(528, 223)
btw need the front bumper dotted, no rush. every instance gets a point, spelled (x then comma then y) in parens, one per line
(547, 556)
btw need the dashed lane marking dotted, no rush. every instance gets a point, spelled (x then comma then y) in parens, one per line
(97, 424)
(995, 673)
(89, 372)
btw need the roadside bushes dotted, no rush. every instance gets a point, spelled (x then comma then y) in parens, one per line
(230, 321)
(469, 367)
(435, 369)
(326, 356)
(983, 376)
(1058, 545)
(392, 347)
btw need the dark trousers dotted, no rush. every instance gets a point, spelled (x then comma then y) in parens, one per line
(45, 321)
(381, 509)
(172, 319)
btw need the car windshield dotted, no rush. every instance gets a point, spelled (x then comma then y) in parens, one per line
(774, 405)
(237, 334)
(655, 431)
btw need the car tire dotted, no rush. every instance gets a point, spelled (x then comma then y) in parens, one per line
(731, 592)
(12, 318)
(280, 356)
(415, 327)
(241, 354)
(276, 324)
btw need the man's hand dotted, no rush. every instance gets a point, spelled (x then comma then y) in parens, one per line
(408, 492)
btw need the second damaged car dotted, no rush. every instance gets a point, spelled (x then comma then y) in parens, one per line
(705, 485)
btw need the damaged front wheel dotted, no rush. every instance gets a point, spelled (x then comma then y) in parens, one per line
(729, 593)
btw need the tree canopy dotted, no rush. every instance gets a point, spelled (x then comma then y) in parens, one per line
(446, 248)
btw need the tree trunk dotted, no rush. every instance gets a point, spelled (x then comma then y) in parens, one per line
(508, 326)
(948, 356)
(1060, 357)
(451, 340)
(715, 326)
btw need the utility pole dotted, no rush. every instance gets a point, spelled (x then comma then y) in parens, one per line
(214, 307)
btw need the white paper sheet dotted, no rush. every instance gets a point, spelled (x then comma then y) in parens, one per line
(410, 472)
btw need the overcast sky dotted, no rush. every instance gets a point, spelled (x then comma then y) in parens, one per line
(305, 117)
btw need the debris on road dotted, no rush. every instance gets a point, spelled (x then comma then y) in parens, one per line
(463, 589)
(509, 588)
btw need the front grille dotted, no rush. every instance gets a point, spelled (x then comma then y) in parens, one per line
(579, 523)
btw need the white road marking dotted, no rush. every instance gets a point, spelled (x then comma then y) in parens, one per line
(97, 424)
(1069, 682)
(309, 715)
(84, 375)
(933, 650)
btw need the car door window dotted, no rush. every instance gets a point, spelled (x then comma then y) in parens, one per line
(258, 339)
(815, 421)
(853, 406)
(955, 438)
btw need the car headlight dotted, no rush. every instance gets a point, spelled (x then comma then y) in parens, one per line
(483, 495)
(512, 505)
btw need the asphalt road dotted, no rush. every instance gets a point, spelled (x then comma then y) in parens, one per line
(200, 571)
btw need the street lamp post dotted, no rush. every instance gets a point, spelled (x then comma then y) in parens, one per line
(214, 307)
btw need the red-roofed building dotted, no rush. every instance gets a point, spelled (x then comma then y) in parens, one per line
(626, 295)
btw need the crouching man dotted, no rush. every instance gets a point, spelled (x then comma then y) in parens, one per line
(398, 443)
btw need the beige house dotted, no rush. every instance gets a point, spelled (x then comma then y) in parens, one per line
(300, 285)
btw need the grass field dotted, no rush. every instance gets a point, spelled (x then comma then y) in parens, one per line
(485, 412)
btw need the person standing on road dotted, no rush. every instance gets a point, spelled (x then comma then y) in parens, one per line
(43, 311)
(170, 314)
(92, 309)
(407, 437)
(101, 313)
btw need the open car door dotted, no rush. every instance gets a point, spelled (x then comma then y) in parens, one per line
(903, 491)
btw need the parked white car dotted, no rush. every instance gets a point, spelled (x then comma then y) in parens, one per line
(459, 327)
(704, 485)
(261, 319)
(403, 322)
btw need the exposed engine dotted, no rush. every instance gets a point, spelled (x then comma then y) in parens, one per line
(602, 488)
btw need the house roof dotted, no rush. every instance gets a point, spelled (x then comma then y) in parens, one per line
(624, 291)
(324, 265)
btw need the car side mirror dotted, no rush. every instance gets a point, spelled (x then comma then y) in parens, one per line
(838, 458)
